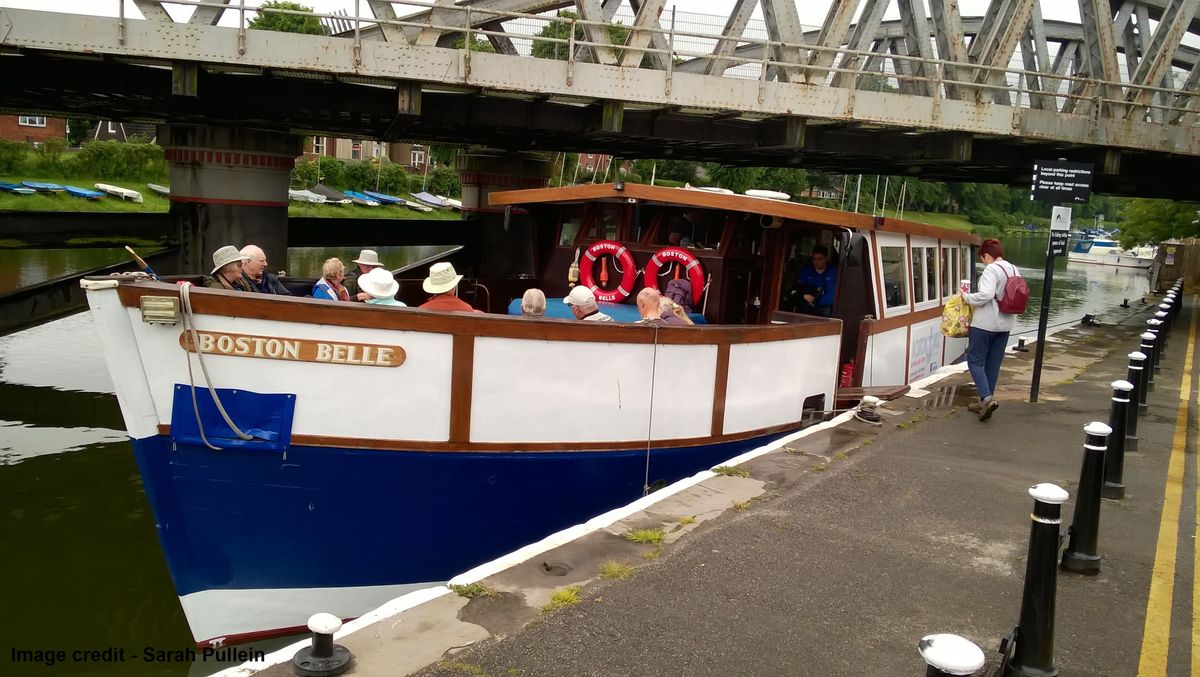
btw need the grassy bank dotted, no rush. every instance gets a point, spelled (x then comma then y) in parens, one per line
(153, 202)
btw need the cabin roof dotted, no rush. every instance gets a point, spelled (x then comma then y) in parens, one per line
(739, 203)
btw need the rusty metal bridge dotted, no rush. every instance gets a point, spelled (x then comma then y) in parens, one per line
(930, 94)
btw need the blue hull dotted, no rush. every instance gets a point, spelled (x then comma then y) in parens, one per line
(331, 517)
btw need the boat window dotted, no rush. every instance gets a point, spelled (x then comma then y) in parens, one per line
(605, 220)
(948, 271)
(931, 286)
(572, 219)
(693, 228)
(918, 274)
(895, 276)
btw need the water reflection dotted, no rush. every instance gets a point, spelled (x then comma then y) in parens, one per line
(306, 261)
(24, 267)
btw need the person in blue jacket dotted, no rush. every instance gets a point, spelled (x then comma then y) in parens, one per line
(817, 283)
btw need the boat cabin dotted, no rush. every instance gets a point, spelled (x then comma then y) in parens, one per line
(740, 260)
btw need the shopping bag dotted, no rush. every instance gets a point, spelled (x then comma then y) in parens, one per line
(956, 317)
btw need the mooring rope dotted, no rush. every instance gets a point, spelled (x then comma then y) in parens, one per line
(650, 421)
(189, 324)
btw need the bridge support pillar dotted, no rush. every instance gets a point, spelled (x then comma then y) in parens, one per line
(483, 171)
(229, 186)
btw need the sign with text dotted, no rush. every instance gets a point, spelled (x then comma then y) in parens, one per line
(1060, 181)
(1060, 231)
(297, 350)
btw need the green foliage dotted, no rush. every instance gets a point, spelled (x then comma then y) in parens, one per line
(784, 180)
(549, 47)
(286, 23)
(472, 590)
(1157, 220)
(443, 181)
(737, 179)
(49, 156)
(12, 156)
(645, 536)
(678, 170)
(613, 569)
(563, 598)
(443, 154)
(359, 176)
(876, 83)
(731, 471)
(478, 44)
(116, 160)
(79, 130)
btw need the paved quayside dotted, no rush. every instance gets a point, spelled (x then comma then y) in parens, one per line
(846, 546)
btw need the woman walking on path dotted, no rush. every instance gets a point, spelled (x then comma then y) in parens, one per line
(988, 335)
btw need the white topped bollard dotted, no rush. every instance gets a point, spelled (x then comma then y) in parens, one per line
(1136, 396)
(1081, 555)
(1029, 651)
(946, 655)
(323, 658)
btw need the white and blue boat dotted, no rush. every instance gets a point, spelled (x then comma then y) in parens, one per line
(16, 188)
(387, 449)
(1105, 252)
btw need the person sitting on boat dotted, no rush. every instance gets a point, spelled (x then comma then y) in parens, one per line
(255, 271)
(533, 304)
(583, 305)
(670, 309)
(381, 286)
(367, 260)
(330, 286)
(683, 229)
(227, 270)
(443, 284)
(649, 303)
(817, 283)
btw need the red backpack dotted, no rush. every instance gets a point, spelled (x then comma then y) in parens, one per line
(1016, 293)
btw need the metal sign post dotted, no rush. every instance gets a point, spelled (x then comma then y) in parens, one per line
(1060, 231)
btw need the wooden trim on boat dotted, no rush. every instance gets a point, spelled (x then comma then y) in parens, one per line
(720, 388)
(877, 269)
(897, 321)
(860, 355)
(795, 211)
(316, 311)
(376, 444)
(462, 377)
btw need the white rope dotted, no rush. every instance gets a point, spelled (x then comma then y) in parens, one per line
(650, 422)
(190, 321)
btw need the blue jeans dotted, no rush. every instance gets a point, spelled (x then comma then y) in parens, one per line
(985, 351)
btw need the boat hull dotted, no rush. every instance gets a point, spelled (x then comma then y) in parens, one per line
(1115, 260)
(257, 542)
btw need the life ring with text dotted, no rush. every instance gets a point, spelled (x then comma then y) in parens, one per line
(686, 259)
(622, 261)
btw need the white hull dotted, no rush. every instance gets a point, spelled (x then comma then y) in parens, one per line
(1115, 260)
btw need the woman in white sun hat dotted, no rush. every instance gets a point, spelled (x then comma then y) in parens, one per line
(227, 270)
(381, 287)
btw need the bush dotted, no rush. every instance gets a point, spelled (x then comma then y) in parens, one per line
(393, 180)
(116, 160)
(12, 157)
(359, 176)
(49, 156)
(305, 174)
(443, 181)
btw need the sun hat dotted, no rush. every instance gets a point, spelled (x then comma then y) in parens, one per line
(379, 283)
(225, 256)
(442, 278)
(580, 296)
(368, 257)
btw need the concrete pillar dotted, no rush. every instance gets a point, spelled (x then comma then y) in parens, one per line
(229, 186)
(483, 171)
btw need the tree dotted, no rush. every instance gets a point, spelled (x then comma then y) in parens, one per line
(785, 180)
(478, 44)
(737, 179)
(1158, 220)
(286, 23)
(677, 170)
(79, 130)
(551, 48)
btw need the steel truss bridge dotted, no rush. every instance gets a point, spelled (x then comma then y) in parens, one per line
(931, 94)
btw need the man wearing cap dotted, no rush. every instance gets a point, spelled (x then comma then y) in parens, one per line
(583, 305)
(227, 270)
(254, 269)
(367, 260)
(443, 284)
(381, 287)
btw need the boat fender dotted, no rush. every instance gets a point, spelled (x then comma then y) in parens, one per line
(624, 264)
(684, 258)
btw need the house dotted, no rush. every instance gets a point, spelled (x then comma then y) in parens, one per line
(32, 129)
(412, 157)
(819, 193)
(108, 130)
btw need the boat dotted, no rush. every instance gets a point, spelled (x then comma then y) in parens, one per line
(1106, 252)
(43, 187)
(117, 191)
(85, 193)
(16, 188)
(451, 434)
(332, 196)
(306, 196)
(456, 205)
(430, 200)
(361, 199)
(165, 191)
(417, 206)
(768, 194)
(383, 198)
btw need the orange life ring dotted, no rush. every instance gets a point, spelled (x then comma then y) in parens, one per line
(622, 256)
(683, 257)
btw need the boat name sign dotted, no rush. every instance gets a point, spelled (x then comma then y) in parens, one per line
(297, 350)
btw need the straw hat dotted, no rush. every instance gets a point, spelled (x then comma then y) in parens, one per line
(379, 283)
(442, 278)
(225, 256)
(368, 257)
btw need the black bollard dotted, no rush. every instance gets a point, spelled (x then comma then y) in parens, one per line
(1114, 458)
(1165, 309)
(323, 658)
(1154, 325)
(1033, 655)
(1081, 556)
(1161, 316)
(1134, 376)
(1146, 348)
(1020, 347)
(946, 655)
(1125, 303)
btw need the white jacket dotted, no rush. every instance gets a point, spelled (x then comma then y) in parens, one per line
(987, 315)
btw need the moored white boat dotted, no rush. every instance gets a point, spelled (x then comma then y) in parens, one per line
(306, 196)
(117, 191)
(1110, 253)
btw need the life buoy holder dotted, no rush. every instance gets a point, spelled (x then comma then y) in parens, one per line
(695, 271)
(623, 261)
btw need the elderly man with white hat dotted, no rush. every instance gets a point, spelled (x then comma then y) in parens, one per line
(583, 305)
(227, 270)
(367, 261)
(381, 287)
(442, 283)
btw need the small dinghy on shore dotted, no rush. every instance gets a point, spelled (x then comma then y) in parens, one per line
(16, 188)
(85, 193)
(43, 187)
(361, 199)
(332, 197)
(456, 205)
(165, 191)
(117, 191)
(431, 200)
(306, 196)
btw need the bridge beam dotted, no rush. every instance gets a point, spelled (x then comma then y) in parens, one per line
(228, 186)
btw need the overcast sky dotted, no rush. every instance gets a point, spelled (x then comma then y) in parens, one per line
(812, 12)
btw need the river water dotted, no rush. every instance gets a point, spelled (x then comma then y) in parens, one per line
(80, 559)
